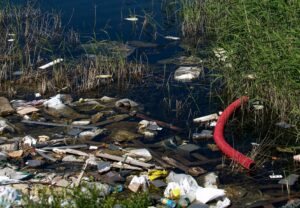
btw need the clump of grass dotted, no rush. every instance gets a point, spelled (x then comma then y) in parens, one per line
(256, 49)
(83, 197)
(261, 51)
(192, 17)
(30, 37)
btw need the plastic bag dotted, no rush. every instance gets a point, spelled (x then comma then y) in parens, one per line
(205, 195)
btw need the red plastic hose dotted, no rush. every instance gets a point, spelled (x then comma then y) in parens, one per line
(235, 155)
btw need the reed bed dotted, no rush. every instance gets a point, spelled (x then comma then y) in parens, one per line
(30, 37)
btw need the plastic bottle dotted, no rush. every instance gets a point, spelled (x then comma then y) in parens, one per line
(168, 202)
(183, 202)
(116, 189)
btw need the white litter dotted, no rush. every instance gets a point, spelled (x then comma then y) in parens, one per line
(205, 195)
(211, 180)
(51, 63)
(81, 123)
(182, 185)
(187, 73)
(11, 40)
(138, 182)
(172, 37)
(141, 154)
(37, 95)
(213, 124)
(131, 19)
(222, 203)
(203, 119)
(273, 176)
(29, 141)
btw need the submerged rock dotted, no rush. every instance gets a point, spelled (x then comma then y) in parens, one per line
(108, 48)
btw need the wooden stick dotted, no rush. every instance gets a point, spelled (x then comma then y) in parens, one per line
(57, 124)
(124, 160)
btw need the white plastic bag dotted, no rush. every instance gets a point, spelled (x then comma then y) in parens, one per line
(205, 195)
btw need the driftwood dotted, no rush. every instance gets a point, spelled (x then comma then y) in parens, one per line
(71, 151)
(57, 124)
(175, 163)
(78, 146)
(48, 157)
(125, 166)
(81, 173)
(124, 160)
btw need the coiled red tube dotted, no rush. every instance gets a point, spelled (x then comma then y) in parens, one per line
(235, 155)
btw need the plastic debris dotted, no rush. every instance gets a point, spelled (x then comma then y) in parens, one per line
(183, 202)
(289, 180)
(155, 174)
(34, 163)
(52, 63)
(273, 176)
(138, 183)
(296, 158)
(131, 19)
(6, 126)
(26, 110)
(9, 197)
(187, 73)
(81, 123)
(103, 167)
(225, 202)
(169, 37)
(284, 125)
(140, 154)
(211, 180)
(168, 202)
(205, 195)
(182, 185)
(29, 141)
(208, 118)
(204, 134)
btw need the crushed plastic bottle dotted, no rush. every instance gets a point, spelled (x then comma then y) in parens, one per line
(168, 202)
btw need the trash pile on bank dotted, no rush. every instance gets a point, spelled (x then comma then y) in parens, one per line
(105, 142)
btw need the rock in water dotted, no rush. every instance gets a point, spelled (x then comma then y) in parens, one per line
(5, 107)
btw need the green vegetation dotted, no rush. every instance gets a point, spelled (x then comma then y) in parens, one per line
(255, 48)
(89, 197)
(30, 38)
